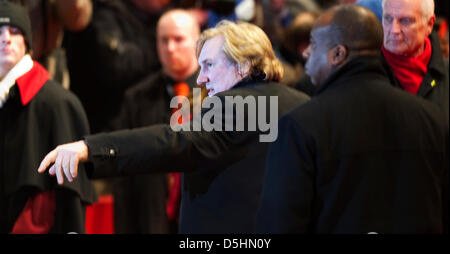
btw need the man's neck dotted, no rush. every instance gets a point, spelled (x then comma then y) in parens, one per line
(4, 70)
(418, 52)
(181, 76)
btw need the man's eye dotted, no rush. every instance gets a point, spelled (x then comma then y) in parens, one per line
(406, 21)
(388, 19)
(14, 30)
(179, 39)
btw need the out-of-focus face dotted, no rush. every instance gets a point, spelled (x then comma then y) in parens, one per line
(151, 6)
(217, 73)
(12, 47)
(317, 65)
(277, 5)
(176, 41)
(404, 28)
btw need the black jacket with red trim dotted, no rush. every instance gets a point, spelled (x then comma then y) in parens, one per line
(37, 116)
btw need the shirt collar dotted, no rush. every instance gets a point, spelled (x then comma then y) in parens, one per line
(22, 67)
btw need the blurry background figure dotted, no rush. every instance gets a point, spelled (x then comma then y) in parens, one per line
(49, 18)
(278, 15)
(276, 18)
(114, 52)
(220, 9)
(149, 204)
(441, 28)
(374, 6)
(209, 12)
(325, 4)
(294, 40)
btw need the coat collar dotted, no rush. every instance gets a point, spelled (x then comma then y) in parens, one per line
(436, 63)
(250, 81)
(357, 66)
(31, 82)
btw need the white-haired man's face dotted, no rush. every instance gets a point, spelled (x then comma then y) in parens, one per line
(404, 27)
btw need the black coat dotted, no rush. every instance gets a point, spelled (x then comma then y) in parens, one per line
(223, 169)
(54, 116)
(361, 156)
(437, 71)
(140, 201)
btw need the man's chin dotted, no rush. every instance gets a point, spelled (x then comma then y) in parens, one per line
(396, 49)
(313, 81)
(211, 92)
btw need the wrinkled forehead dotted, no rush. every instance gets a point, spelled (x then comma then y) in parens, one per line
(402, 8)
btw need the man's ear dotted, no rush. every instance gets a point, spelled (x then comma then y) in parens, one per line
(430, 24)
(243, 69)
(338, 55)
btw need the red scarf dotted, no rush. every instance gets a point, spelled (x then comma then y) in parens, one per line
(409, 71)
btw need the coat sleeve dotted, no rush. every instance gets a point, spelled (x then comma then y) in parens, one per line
(288, 189)
(158, 148)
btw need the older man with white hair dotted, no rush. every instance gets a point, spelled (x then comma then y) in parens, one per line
(413, 52)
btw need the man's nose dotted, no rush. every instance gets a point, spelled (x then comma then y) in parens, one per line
(171, 45)
(202, 79)
(395, 28)
(5, 35)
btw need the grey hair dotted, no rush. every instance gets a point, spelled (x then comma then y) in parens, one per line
(427, 9)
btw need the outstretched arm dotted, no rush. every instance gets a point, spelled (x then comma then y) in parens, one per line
(65, 158)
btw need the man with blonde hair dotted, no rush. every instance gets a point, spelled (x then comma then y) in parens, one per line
(413, 52)
(222, 169)
(246, 50)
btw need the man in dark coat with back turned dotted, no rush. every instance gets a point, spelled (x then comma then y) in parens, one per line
(361, 156)
(224, 167)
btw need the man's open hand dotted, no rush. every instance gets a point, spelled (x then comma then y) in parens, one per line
(65, 158)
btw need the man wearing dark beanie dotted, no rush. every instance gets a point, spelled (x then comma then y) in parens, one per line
(16, 16)
(36, 114)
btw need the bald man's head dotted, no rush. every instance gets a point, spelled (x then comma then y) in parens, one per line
(352, 26)
(180, 18)
(339, 35)
(177, 34)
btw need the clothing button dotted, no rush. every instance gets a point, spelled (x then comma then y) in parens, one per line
(112, 152)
